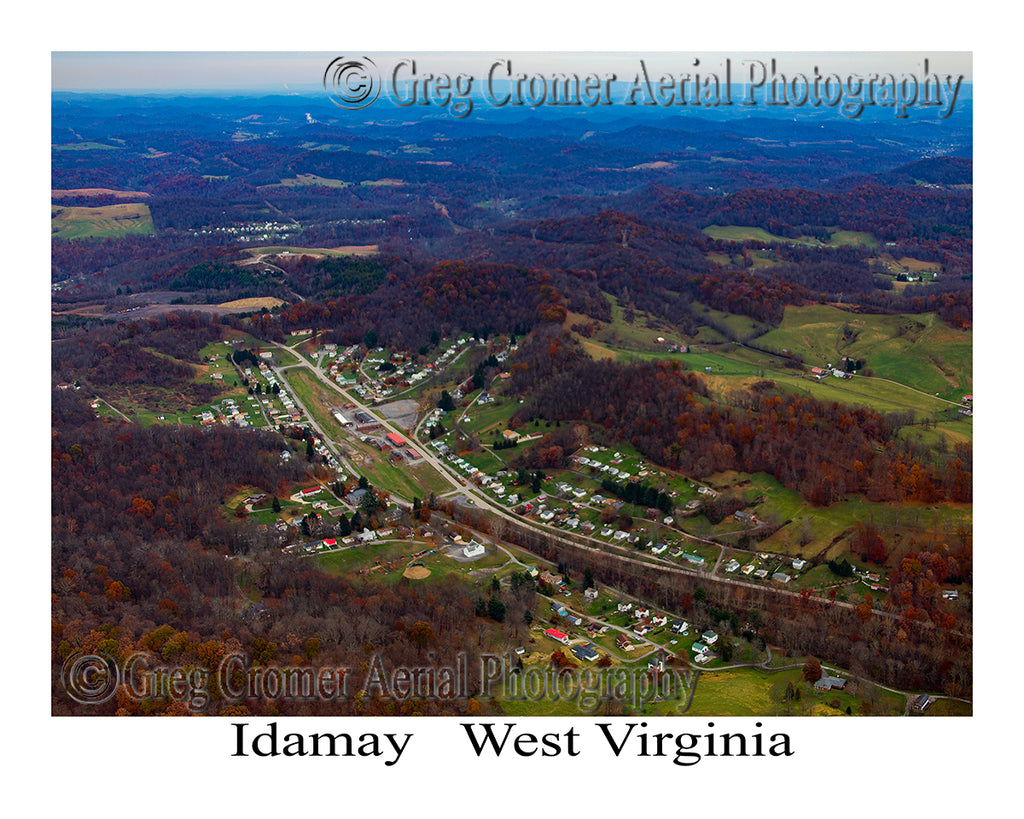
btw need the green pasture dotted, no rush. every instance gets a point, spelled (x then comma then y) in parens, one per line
(920, 351)
(107, 220)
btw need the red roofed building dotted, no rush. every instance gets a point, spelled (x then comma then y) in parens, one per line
(330, 543)
(397, 440)
(555, 634)
(312, 490)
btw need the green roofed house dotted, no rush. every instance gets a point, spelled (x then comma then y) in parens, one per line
(827, 683)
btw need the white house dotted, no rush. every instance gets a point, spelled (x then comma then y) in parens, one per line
(474, 549)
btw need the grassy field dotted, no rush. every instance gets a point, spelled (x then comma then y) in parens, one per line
(853, 237)
(82, 192)
(256, 303)
(309, 179)
(85, 146)
(150, 405)
(920, 351)
(489, 420)
(346, 250)
(883, 396)
(153, 405)
(108, 220)
(387, 560)
(620, 335)
(317, 401)
(742, 233)
(406, 480)
(753, 692)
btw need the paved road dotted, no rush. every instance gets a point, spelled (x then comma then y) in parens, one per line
(476, 497)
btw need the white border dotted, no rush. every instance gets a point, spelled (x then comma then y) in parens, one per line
(842, 769)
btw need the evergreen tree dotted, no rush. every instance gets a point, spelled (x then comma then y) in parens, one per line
(369, 503)
(588, 578)
(496, 609)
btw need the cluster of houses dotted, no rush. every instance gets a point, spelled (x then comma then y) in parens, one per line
(817, 373)
(464, 466)
(610, 470)
(702, 648)
(645, 622)
(400, 375)
(776, 571)
(586, 652)
(673, 348)
(330, 544)
(873, 580)
(252, 231)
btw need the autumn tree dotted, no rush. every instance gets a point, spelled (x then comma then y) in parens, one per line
(420, 634)
(812, 670)
(311, 648)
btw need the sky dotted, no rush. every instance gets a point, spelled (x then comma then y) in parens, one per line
(135, 71)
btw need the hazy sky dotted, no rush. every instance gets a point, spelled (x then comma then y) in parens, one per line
(207, 70)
